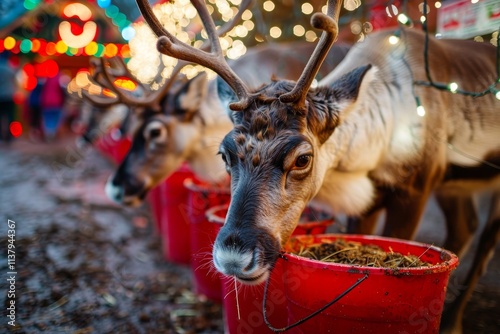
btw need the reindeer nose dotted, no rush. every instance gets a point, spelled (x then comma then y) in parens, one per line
(114, 191)
(231, 258)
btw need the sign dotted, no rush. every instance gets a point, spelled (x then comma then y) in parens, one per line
(463, 19)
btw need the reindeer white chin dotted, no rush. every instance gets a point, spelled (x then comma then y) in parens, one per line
(245, 267)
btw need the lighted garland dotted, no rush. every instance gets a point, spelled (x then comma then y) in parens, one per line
(453, 87)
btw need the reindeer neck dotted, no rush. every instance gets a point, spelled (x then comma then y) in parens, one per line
(214, 124)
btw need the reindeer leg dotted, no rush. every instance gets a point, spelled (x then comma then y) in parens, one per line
(452, 317)
(403, 214)
(460, 215)
(363, 225)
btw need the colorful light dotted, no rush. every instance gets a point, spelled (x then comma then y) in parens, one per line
(35, 45)
(25, 46)
(126, 84)
(61, 47)
(110, 50)
(16, 129)
(103, 3)
(9, 43)
(91, 48)
(50, 49)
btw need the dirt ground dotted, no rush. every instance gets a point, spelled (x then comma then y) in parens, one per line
(84, 265)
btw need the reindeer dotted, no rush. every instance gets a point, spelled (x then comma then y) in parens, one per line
(356, 144)
(193, 120)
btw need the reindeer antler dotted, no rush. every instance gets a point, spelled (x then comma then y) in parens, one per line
(171, 46)
(105, 74)
(329, 24)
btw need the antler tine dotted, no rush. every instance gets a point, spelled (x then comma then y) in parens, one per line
(171, 46)
(329, 24)
(97, 75)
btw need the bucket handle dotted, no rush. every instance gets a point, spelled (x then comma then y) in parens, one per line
(336, 299)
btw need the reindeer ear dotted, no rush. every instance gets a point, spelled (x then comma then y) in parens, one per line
(354, 83)
(190, 96)
(226, 96)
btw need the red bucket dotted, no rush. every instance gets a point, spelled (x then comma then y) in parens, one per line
(203, 196)
(249, 298)
(155, 203)
(115, 149)
(406, 300)
(174, 219)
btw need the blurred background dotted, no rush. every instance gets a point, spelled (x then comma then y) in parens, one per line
(88, 265)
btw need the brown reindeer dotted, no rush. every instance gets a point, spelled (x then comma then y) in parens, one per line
(356, 144)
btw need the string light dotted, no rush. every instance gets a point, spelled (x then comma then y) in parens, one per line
(420, 107)
(403, 19)
(453, 87)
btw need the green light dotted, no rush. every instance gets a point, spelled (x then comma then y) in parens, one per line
(112, 11)
(100, 50)
(31, 4)
(26, 46)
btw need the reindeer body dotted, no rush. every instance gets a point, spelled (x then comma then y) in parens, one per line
(382, 145)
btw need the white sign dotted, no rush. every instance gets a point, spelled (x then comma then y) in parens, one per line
(464, 19)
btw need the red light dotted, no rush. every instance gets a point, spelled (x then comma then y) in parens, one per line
(29, 69)
(30, 83)
(51, 67)
(16, 129)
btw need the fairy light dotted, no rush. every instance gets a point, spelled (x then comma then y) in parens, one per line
(420, 107)
(393, 39)
(275, 32)
(497, 95)
(453, 87)
(403, 19)
(351, 5)
(299, 30)
(306, 8)
(437, 4)
(268, 6)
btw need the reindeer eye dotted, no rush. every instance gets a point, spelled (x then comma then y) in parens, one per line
(154, 133)
(302, 161)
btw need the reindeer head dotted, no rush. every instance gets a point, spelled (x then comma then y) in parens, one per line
(164, 140)
(275, 152)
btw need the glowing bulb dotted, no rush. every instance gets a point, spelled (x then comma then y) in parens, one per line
(474, 1)
(299, 30)
(497, 95)
(420, 108)
(275, 32)
(422, 18)
(437, 4)
(403, 18)
(268, 6)
(307, 8)
(453, 87)
(421, 111)
(393, 39)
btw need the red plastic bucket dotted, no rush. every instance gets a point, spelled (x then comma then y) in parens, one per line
(243, 305)
(174, 218)
(203, 196)
(155, 203)
(115, 149)
(407, 300)
(248, 299)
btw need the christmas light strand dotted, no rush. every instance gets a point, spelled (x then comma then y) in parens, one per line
(453, 87)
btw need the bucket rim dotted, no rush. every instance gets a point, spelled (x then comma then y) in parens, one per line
(447, 265)
(213, 217)
(196, 185)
